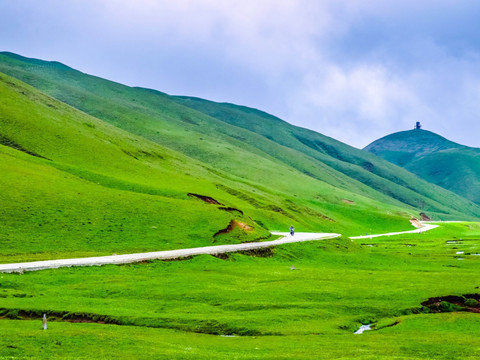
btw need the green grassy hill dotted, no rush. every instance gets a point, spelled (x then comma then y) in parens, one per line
(93, 167)
(73, 184)
(432, 157)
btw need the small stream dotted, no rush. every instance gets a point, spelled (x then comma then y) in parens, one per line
(363, 328)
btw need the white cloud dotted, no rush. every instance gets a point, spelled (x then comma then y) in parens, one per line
(354, 70)
(269, 35)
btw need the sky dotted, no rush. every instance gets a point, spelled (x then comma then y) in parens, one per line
(354, 70)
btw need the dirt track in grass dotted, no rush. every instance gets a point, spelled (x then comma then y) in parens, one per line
(163, 255)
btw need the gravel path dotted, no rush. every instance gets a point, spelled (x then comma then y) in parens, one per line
(169, 254)
(422, 229)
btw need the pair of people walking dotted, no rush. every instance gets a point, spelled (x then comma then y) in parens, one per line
(292, 230)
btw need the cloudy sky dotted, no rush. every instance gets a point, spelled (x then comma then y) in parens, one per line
(355, 70)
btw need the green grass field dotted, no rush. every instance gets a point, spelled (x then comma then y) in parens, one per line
(90, 167)
(181, 309)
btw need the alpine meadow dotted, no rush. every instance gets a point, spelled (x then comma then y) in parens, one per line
(91, 167)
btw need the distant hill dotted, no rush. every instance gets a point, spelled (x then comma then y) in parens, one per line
(95, 166)
(432, 157)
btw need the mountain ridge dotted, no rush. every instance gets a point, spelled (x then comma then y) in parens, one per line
(453, 166)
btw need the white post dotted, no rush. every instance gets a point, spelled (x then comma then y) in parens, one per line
(44, 322)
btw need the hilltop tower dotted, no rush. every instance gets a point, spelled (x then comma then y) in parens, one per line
(418, 126)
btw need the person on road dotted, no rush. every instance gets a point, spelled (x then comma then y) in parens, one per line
(292, 230)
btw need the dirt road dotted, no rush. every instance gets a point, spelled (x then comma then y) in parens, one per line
(425, 227)
(162, 255)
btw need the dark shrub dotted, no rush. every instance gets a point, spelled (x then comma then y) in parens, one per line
(471, 303)
(12, 314)
(445, 306)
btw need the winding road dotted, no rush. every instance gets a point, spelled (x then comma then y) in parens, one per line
(425, 227)
(163, 255)
(175, 254)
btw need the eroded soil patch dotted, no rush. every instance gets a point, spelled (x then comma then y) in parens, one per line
(260, 252)
(449, 303)
(232, 225)
(222, 256)
(231, 209)
(205, 198)
(425, 217)
(416, 223)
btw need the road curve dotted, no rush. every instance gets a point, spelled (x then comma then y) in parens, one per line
(425, 227)
(163, 255)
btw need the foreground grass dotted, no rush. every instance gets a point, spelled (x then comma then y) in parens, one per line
(439, 336)
(179, 309)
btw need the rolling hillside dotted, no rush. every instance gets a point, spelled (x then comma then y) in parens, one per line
(432, 157)
(90, 166)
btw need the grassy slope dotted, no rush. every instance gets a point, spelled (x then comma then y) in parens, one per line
(105, 191)
(457, 170)
(450, 165)
(72, 184)
(369, 170)
(337, 285)
(247, 145)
